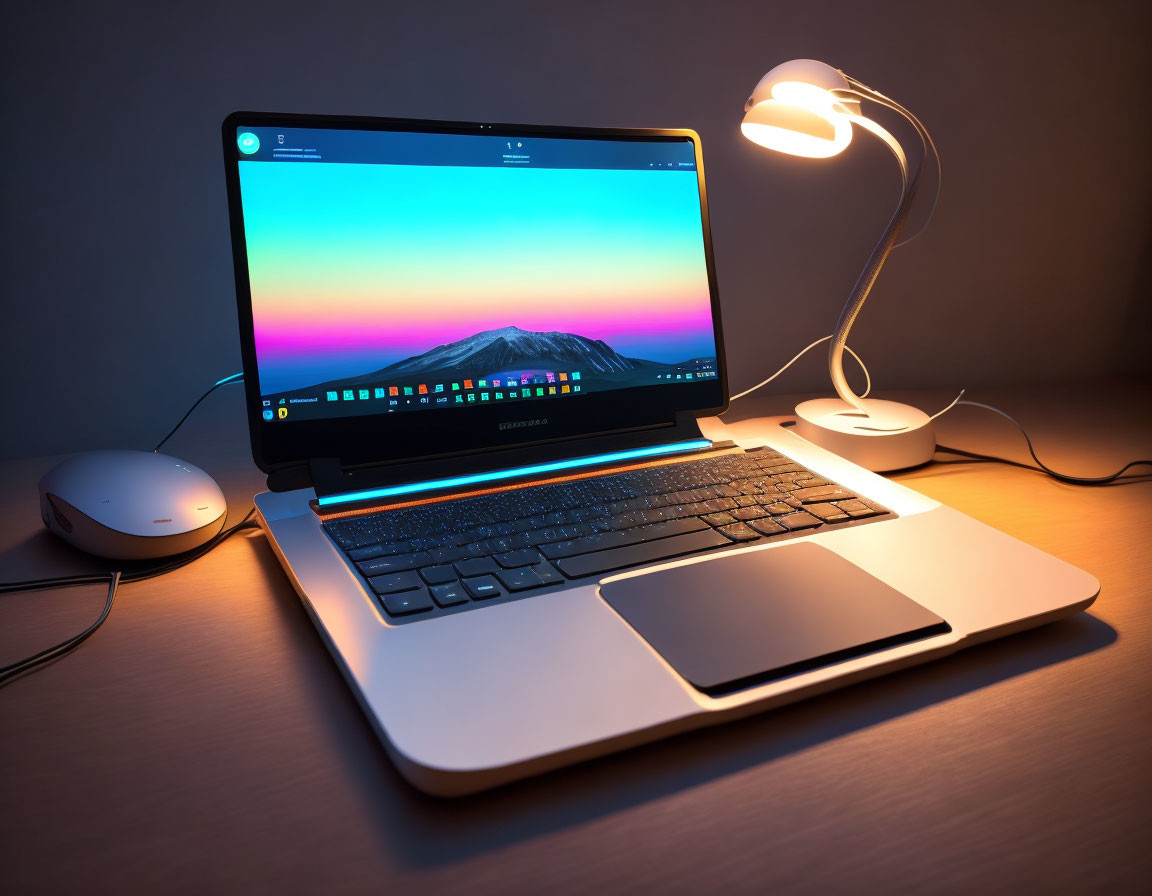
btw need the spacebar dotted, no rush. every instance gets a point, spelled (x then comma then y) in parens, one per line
(635, 554)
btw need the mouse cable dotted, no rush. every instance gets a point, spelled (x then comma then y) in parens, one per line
(235, 378)
(50, 654)
(1040, 465)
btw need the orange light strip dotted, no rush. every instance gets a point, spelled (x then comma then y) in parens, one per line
(553, 480)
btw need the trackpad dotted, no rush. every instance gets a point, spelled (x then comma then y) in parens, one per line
(743, 619)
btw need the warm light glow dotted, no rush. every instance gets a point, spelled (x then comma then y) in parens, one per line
(801, 120)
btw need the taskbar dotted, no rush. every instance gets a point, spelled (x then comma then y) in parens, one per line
(361, 399)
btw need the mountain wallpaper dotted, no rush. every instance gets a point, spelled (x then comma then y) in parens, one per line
(512, 347)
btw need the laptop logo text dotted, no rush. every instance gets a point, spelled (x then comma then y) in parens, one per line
(520, 424)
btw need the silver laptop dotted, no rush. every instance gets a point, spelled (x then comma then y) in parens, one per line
(483, 364)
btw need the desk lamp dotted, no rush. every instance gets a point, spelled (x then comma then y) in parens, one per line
(807, 108)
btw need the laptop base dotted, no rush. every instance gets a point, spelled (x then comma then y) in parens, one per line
(470, 701)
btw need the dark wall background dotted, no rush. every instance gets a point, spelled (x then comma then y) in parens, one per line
(118, 303)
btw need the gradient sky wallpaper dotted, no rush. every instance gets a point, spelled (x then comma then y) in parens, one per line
(356, 266)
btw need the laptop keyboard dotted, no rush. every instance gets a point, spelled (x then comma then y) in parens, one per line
(445, 557)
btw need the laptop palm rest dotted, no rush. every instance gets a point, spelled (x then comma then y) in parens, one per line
(742, 619)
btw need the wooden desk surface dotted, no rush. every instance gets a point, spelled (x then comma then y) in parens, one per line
(204, 741)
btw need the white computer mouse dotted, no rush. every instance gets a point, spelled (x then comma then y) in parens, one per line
(131, 505)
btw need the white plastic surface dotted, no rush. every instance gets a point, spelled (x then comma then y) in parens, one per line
(891, 436)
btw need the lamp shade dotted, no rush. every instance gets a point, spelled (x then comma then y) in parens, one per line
(793, 110)
(797, 71)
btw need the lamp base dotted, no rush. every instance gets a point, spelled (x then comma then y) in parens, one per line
(891, 436)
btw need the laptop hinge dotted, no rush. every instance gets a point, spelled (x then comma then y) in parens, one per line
(329, 477)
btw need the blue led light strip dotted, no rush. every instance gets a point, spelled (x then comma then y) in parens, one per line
(513, 472)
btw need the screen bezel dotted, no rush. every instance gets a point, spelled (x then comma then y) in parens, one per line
(385, 438)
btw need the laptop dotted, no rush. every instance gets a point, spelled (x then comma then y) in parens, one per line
(483, 364)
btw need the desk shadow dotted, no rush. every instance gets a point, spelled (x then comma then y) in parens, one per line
(41, 555)
(428, 832)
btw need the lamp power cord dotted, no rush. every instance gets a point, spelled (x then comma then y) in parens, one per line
(959, 400)
(1040, 465)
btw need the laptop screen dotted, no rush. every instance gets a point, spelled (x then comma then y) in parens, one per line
(414, 272)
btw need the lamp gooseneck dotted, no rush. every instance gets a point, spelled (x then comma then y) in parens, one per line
(876, 261)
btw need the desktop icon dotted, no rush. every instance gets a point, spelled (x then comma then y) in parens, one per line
(455, 387)
(439, 387)
(459, 399)
(539, 391)
(495, 384)
(283, 412)
(349, 395)
(551, 390)
(363, 394)
(423, 389)
(499, 395)
(393, 390)
(576, 375)
(267, 401)
(467, 384)
(407, 390)
(268, 415)
(248, 143)
(378, 392)
(525, 392)
(333, 396)
(563, 377)
(565, 389)
(471, 396)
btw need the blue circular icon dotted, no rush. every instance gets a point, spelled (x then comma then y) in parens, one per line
(248, 143)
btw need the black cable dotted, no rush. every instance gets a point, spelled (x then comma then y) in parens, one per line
(235, 378)
(50, 654)
(1040, 465)
(12, 670)
(1062, 477)
(195, 554)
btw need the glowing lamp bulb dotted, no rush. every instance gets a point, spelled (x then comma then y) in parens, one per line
(799, 130)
